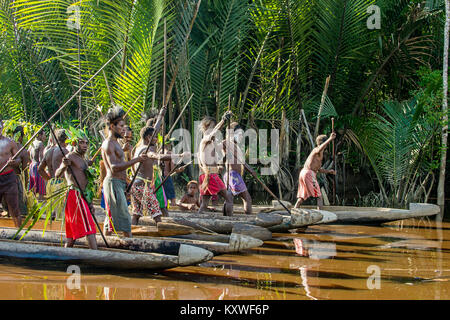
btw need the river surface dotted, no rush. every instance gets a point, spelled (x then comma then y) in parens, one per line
(409, 259)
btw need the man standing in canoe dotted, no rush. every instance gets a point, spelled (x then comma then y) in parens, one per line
(37, 183)
(20, 170)
(8, 179)
(209, 180)
(78, 212)
(142, 191)
(307, 181)
(115, 183)
(53, 157)
(235, 164)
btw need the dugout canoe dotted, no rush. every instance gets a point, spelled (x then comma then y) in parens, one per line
(102, 258)
(217, 222)
(376, 215)
(236, 242)
(164, 229)
(298, 218)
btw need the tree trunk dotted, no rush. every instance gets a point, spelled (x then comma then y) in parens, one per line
(441, 185)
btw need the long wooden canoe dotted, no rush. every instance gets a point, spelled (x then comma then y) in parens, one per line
(299, 218)
(236, 242)
(372, 215)
(363, 215)
(164, 229)
(217, 222)
(103, 258)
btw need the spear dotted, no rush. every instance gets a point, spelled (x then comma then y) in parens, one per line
(253, 173)
(59, 110)
(169, 92)
(334, 160)
(70, 167)
(178, 166)
(100, 148)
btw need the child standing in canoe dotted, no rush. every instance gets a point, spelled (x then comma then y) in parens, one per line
(307, 180)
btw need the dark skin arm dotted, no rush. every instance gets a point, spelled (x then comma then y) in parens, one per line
(118, 166)
(42, 166)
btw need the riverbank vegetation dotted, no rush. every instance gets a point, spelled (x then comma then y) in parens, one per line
(373, 66)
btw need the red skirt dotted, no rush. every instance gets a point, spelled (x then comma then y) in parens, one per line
(215, 185)
(79, 222)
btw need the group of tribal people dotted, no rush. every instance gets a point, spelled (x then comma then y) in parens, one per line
(61, 163)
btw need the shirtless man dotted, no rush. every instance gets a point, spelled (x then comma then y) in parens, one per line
(142, 191)
(307, 181)
(8, 178)
(20, 170)
(37, 183)
(115, 182)
(235, 164)
(53, 157)
(209, 180)
(78, 213)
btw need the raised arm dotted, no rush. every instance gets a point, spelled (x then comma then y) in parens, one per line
(324, 145)
(226, 116)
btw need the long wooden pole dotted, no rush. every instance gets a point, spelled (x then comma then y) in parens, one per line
(322, 103)
(334, 163)
(169, 92)
(179, 117)
(100, 148)
(252, 172)
(163, 126)
(170, 173)
(59, 110)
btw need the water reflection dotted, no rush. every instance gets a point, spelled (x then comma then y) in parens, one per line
(316, 250)
(324, 262)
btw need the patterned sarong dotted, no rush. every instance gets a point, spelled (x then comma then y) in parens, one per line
(308, 185)
(142, 198)
(237, 184)
(37, 183)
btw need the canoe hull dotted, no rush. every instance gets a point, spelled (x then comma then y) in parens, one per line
(109, 259)
(369, 215)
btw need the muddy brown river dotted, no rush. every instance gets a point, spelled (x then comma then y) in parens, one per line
(409, 259)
